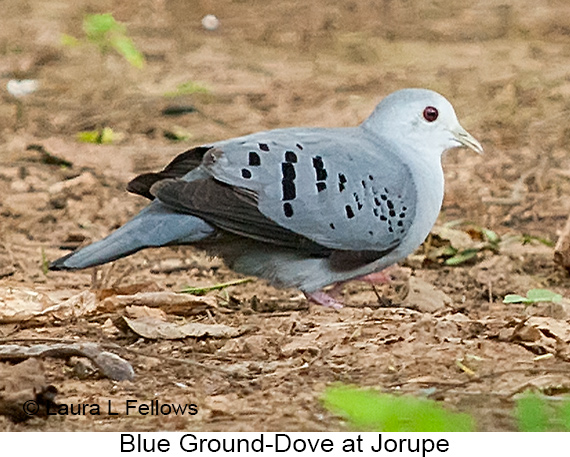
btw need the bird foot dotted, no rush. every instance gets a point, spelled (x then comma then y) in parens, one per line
(380, 277)
(386, 276)
(321, 298)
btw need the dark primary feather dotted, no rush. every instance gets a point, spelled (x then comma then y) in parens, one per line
(180, 165)
(231, 209)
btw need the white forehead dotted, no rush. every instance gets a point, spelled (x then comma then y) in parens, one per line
(407, 106)
(411, 100)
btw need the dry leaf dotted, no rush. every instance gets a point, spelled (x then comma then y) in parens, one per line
(82, 304)
(552, 328)
(137, 312)
(425, 297)
(169, 302)
(459, 239)
(129, 289)
(157, 329)
(19, 304)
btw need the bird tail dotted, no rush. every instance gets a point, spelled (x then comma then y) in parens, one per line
(154, 226)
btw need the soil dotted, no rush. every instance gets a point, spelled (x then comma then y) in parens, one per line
(437, 330)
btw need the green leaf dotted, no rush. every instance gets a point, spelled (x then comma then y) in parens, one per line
(97, 26)
(531, 414)
(462, 257)
(188, 88)
(125, 46)
(526, 239)
(68, 40)
(104, 31)
(534, 296)
(105, 136)
(514, 298)
(543, 295)
(177, 133)
(372, 411)
(564, 415)
(491, 236)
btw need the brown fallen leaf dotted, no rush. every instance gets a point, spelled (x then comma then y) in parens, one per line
(424, 297)
(19, 304)
(552, 328)
(157, 329)
(138, 312)
(129, 289)
(169, 302)
(459, 239)
(83, 304)
(542, 335)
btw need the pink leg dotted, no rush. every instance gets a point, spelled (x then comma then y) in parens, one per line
(386, 276)
(321, 298)
(329, 299)
(380, 277)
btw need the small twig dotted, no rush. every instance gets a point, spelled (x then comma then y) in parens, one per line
(376, 293)
(205, 289)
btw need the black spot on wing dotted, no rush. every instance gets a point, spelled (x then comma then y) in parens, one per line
(341, 182)
(320, 173)
(288, 171)
(288, 181)
(290, 156)
(289, 191)
(359, 205)
(288, 209)
(349, 211)
(319, 166)
(245, 173)
(254, 159)
(264, 147)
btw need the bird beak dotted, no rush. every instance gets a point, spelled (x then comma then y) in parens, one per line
(465, 139)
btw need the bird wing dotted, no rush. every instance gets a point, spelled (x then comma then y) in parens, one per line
(319, 190)
(341, 188)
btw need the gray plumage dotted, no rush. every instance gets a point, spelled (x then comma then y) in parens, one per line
(302, 207)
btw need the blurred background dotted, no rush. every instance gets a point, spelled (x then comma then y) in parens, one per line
(505, 67)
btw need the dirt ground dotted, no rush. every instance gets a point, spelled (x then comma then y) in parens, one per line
(437, 330)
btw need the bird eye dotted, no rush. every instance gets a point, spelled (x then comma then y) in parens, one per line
(430, 114)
